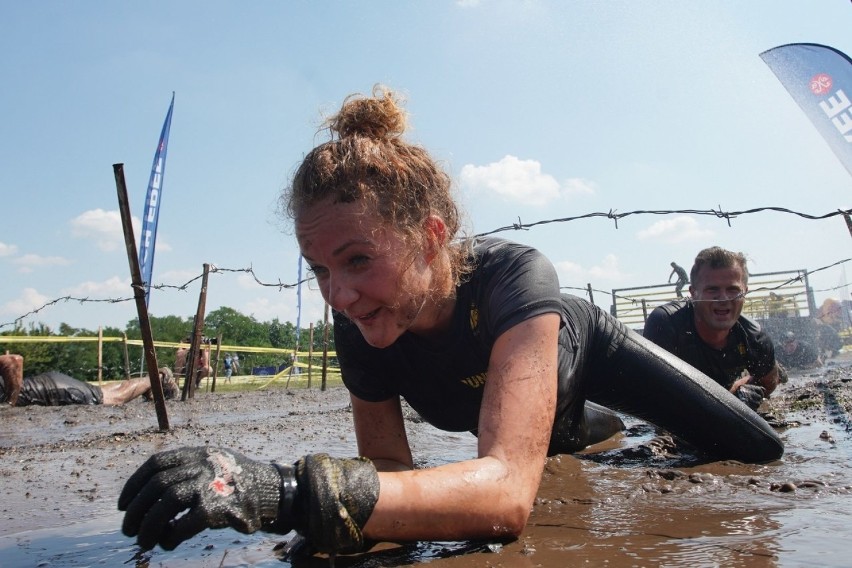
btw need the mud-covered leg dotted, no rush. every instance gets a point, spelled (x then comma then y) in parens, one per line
(575, 433)
(642, 379)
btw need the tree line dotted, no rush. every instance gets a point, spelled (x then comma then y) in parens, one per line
(80, 359)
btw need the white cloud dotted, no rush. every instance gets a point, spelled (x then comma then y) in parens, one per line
(8, 250)
(29, 300)
(520, 181)
(575, 275)
(246, 281)
(111, 287)
(675, 230)
(104, 228)
(577, 186)
(28, 262)
(265, 310)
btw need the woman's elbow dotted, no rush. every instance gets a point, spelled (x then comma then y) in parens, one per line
(513, 520)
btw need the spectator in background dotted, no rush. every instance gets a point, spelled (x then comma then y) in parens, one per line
(228, 363)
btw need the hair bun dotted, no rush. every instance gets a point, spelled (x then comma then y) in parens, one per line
(380, 116)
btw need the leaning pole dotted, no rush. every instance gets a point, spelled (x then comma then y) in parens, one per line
(139, 295)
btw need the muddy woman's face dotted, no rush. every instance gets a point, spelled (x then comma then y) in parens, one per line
(365, 270)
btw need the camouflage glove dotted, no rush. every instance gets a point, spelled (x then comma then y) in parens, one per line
(327, 500)
(216, 487)
(336, 498)
(752, 395)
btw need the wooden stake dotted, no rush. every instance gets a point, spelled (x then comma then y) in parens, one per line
(215, 365)
(100, 355)
(139, 296)
(324, 348)
(194, 348)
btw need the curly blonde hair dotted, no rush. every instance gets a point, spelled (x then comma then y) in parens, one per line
(367, 160)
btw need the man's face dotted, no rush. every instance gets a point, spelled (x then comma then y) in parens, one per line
(718, 295)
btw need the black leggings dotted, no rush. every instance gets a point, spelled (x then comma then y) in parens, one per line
(624, 371)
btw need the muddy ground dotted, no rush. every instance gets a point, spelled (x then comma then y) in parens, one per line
(633, 501)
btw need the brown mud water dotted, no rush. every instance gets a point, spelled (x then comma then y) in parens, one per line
(638, 500)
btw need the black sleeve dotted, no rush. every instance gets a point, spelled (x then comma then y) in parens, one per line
(353, 354)
(762, 359)
(517, 283)
(660, 329)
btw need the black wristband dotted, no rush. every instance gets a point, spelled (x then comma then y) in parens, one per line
(286, 520)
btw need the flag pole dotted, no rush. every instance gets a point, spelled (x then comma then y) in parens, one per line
(153, 201)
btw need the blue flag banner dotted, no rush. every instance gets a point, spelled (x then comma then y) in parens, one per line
(819, 78)
(153, 199)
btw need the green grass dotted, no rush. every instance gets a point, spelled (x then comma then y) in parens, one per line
(250, 382)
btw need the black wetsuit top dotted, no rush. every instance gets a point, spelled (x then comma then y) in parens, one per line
(599, 360)
(54, 389)
(443, 379)
(672, 327)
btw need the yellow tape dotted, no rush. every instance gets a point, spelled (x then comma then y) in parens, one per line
(138, 342)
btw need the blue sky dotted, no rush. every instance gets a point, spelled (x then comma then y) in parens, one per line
(538, 109)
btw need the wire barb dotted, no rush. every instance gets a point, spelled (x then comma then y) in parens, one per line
(519, 226)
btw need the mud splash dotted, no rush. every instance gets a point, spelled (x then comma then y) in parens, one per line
(638, 500)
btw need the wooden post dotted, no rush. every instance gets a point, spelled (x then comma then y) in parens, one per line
(126, 358)
(644, 310)
(100, 355)
(591, 296)
(139, 296)
(310, 353)
(216, 364)
(324, 348)
(293, 365)
(848, 222)
(194, 348)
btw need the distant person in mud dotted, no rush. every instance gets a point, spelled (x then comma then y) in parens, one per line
(795, 353)
(58, 389)
(709, 332)
(202, 362)
(473, 333)
(828, 341)
(682, 278)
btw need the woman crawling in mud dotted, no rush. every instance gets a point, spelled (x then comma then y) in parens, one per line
(473, 333)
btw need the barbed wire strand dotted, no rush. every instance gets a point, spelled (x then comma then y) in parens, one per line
(519, 226)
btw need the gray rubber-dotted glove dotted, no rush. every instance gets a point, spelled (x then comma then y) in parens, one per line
(752, 395)
(216, 488)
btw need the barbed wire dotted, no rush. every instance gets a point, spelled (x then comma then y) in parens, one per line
(615, 216)
(800, 277)
(182, 287)
(519, 226)
(19, 319)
